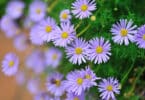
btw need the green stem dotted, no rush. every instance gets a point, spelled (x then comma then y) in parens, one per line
(85, 29)
(126, 75)
(137, 78)
(78, 25)
(52, 6)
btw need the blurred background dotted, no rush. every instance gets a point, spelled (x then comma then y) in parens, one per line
(9, 89)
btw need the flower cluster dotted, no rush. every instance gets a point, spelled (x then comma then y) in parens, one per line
(51, 43)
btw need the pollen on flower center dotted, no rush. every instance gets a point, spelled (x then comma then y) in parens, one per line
(88, 76)
(79, 81)
(84, 7)
(48, 29)
(76, 98)
(110, 88)
(57, 82)
(38, 11)
(78, 50)
(143, 37)
(99, 49)
(54, 56)
(11, 63)
(124, 32)
(64, 35)
(64, 15)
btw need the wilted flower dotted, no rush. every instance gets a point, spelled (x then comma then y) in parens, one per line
(55, 84)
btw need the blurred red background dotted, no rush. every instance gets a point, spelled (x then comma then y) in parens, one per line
(9, 89)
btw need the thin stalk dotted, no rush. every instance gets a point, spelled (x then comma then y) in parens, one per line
(78, 25)
(126, 75)
(85, 29)
(137, 78)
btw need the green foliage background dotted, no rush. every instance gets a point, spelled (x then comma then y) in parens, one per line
(126, 62)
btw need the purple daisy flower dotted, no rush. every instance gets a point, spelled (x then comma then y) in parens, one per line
(99, 50)
(37, 10)
(28, 23)
(123, 31)
(83, 8)
(35, 36)
(10, 64)
(6, 23)
(90, 77)
(42, 96)
(47, 28)
(77, 51)
(36, 61)
(72, 96)
(55, 84)
(108, 87)
(75, 82)
(12, 31)
(53, 57)
(33, 86)
(65, 16)
(15, 9)
(64, 35)
(21, 42)
(140, 37)
(20, 78)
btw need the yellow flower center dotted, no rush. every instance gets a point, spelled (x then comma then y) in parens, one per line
(84, 7)
(124, 32)
(48, 29)
(11, 63)
(79, 81)
(64, 35)
(110, 88)
(78, 50)
(143, 37)
(88, 76)
(38, 11)
(76, 98)
(64, 15)
(57, 82)
(99, 49)
(54, 56)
